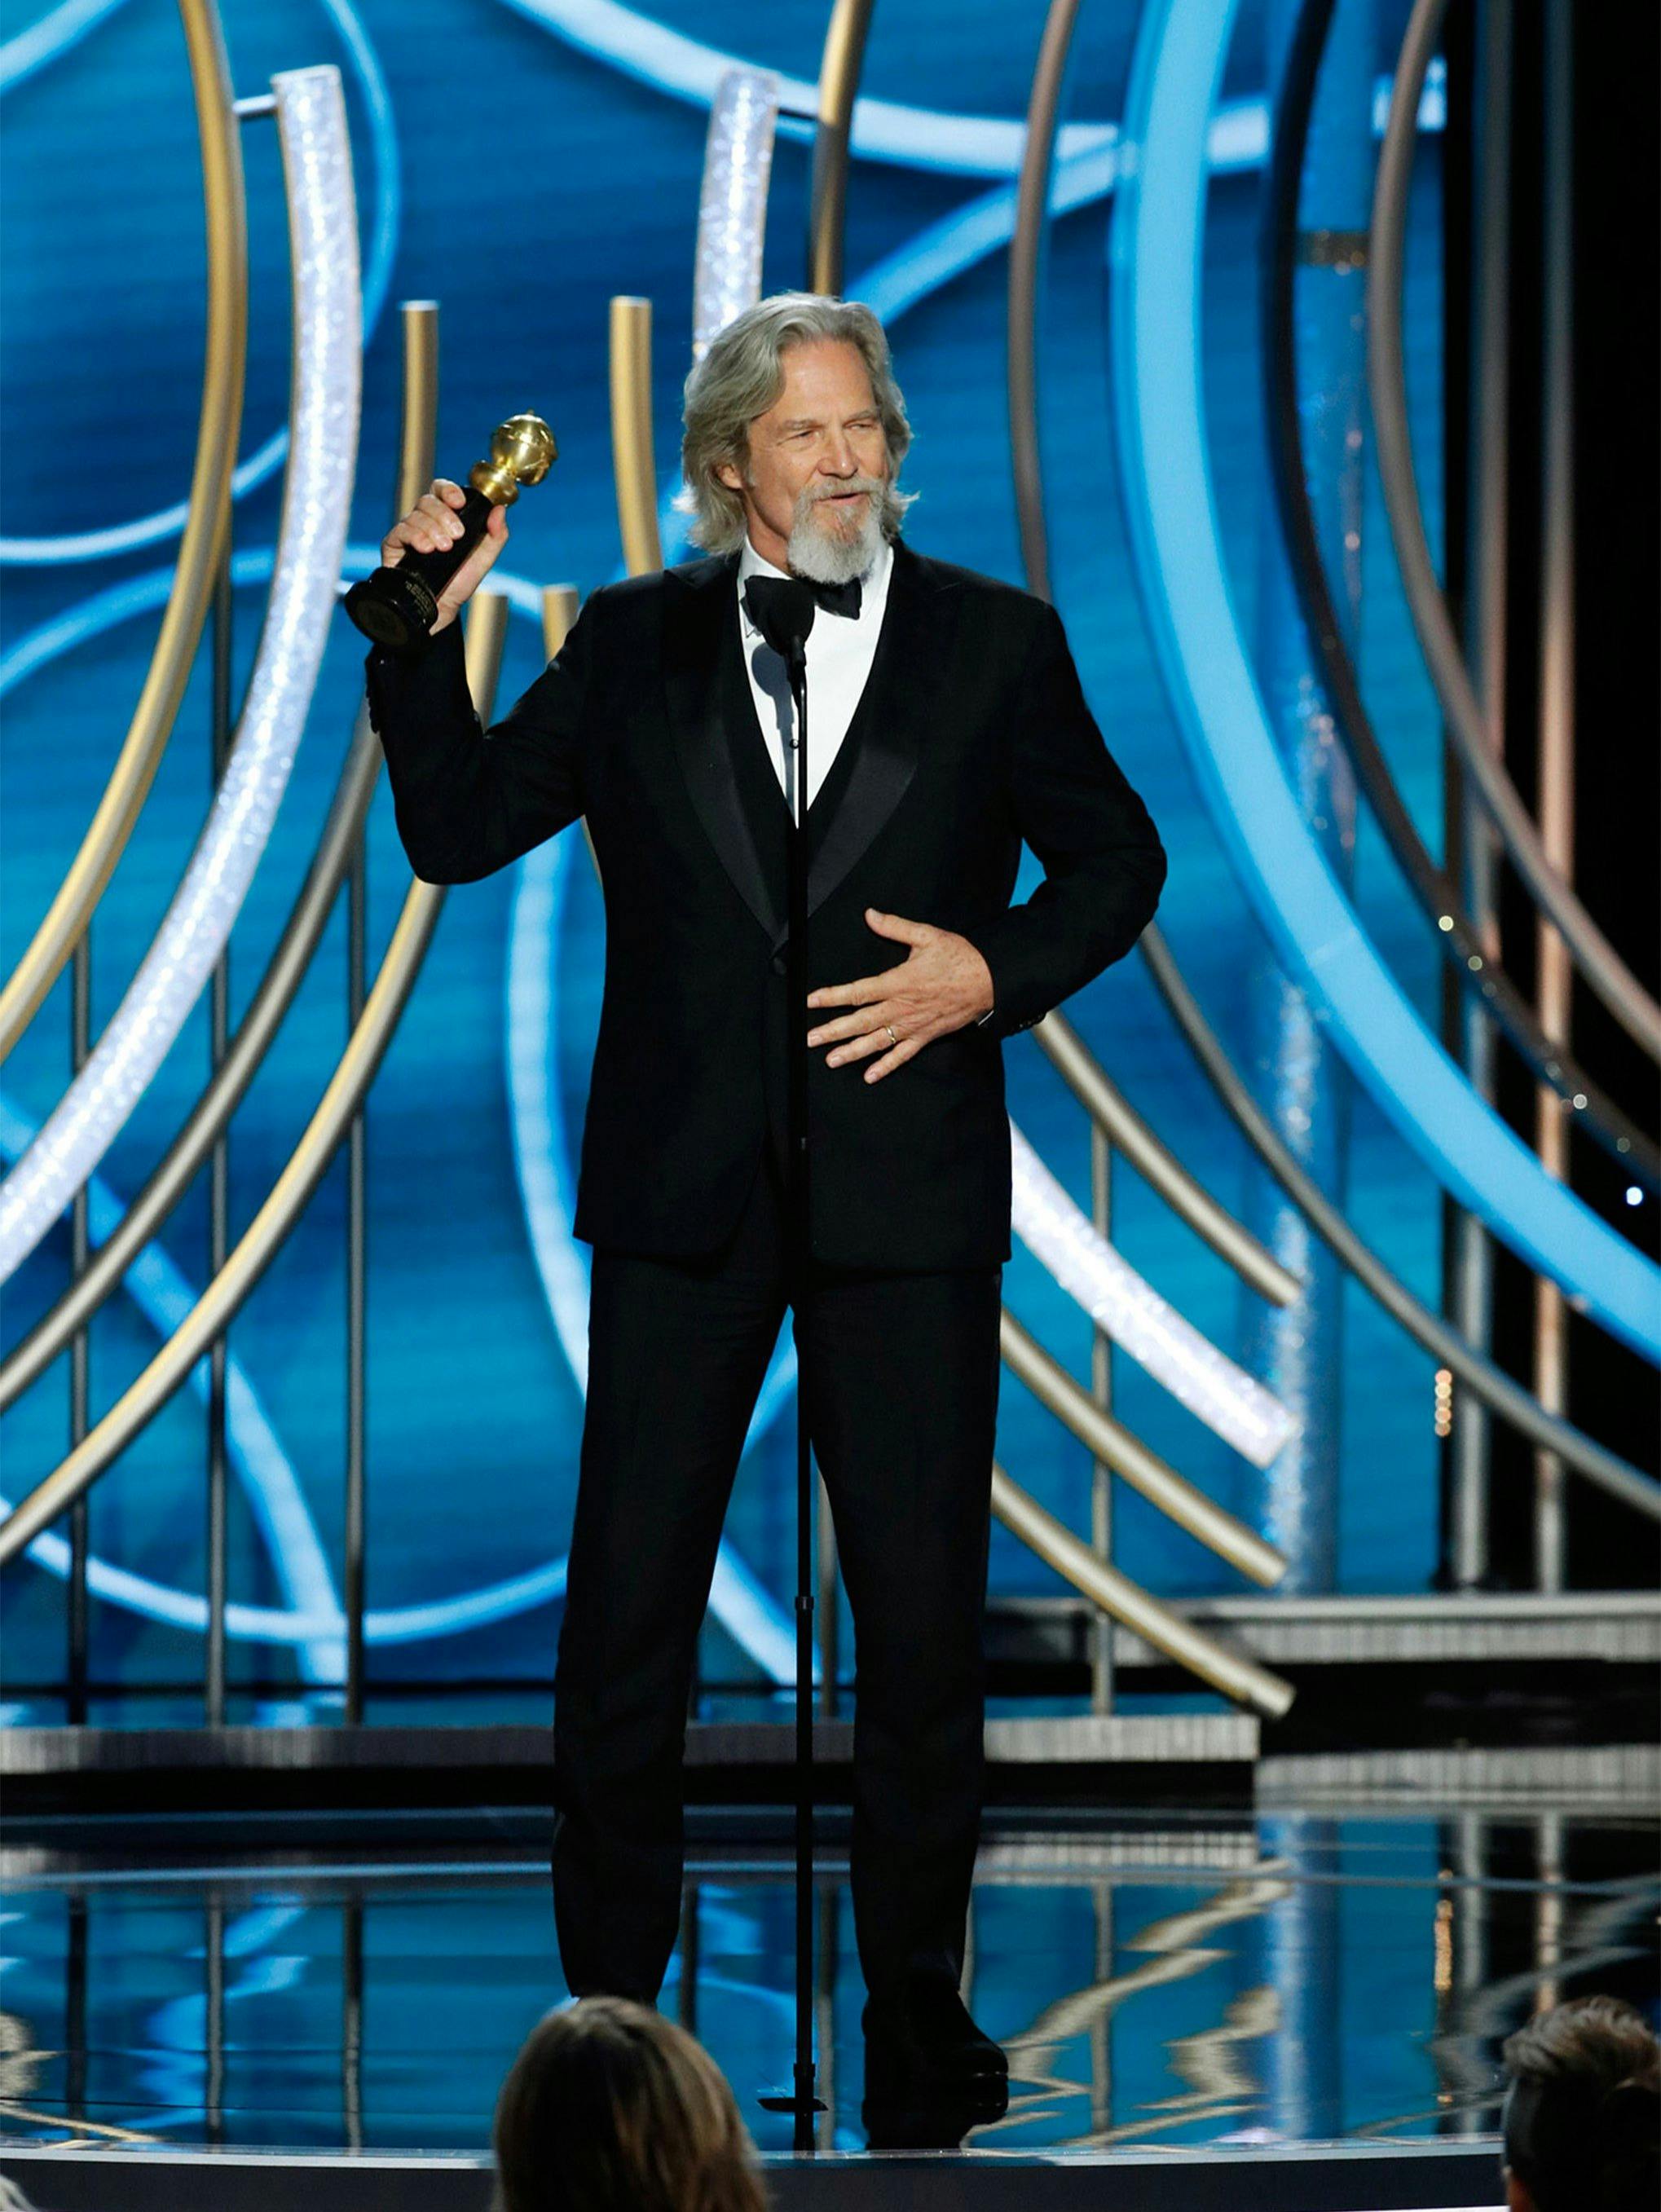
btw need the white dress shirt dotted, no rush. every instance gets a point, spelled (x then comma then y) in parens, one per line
(839, 650)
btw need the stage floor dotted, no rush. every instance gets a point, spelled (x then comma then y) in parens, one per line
(1162, 1980)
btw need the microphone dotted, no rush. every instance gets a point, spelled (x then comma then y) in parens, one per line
(782, 608)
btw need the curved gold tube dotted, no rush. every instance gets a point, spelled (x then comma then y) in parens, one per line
(1092, 2008)
(487, 629)
(207, 528)
(1153, 1160)
(840, 67)
(1241, 1900)
(559, 611)
(1080, 2010)
(80, 2131)
(1109, 1441)
(1178, 1942)
(418, 409)
(287, 967)
(1025, 263)
(633, 465)
(1162, 1626)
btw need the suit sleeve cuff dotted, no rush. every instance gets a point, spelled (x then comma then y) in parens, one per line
(434, 675)
(1019, 985)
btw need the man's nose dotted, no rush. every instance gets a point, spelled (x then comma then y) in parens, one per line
(838, 458)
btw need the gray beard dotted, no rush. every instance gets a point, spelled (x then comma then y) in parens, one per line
(815, 553)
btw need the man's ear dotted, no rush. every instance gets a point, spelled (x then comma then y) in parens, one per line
(736, 474)
(1517, 2196)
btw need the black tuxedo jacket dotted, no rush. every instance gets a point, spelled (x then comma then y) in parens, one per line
(971, 735)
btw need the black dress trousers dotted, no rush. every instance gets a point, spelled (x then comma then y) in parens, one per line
(904, 1369)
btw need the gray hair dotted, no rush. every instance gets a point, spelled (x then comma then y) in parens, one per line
(740, 377)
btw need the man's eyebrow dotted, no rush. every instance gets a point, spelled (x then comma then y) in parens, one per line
(813, 421)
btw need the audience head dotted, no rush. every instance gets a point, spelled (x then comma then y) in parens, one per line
(610, 2107)
(1581, 2128)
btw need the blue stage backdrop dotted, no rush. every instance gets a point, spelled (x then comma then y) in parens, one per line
(521, 180)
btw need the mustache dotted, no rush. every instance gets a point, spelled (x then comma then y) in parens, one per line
(811, 494)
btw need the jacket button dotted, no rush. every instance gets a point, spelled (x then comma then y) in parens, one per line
(779, 963)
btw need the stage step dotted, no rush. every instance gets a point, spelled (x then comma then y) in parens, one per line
(1401, 2176)
(1155, 1757)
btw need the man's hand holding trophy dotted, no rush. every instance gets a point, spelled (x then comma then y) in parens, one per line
(436, 557)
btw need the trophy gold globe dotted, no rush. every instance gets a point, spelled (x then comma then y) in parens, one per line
(398, 606)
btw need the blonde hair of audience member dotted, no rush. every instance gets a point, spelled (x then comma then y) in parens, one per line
(610, 2107)
(1582, 2119)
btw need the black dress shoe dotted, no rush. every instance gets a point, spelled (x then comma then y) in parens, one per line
(926, 2040)
(933, 2119)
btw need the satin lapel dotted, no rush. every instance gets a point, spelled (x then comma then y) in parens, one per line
(886, 737)
(702, 604)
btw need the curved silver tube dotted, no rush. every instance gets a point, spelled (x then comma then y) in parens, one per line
(1157, 1166)
(738, 166)
(1164, 1626)
(1109, 1440)
(1604, 970)
(286, 969)
(1233, 1404)
(317, 498)
(1490, 1384)
(264, 1237)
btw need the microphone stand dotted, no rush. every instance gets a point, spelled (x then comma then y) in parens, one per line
(784, 612)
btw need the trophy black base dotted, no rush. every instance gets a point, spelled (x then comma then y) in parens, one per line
(393, 608)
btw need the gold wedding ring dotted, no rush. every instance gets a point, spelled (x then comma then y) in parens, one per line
(889, 1026)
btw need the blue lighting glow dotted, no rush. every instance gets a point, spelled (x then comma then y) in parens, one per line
(1154, 261)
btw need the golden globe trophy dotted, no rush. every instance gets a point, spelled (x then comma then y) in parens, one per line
(397, 607)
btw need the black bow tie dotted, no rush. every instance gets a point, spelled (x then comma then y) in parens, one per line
(836, 598)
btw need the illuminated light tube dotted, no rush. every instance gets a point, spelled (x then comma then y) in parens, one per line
(1154, 259)
(738, 163)
(1231, 1402)
(317, 496)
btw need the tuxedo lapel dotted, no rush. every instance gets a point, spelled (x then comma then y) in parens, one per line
(702, 668)
(718, 741)
(878, 757)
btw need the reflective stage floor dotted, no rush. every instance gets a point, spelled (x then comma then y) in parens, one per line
(1163, 1980)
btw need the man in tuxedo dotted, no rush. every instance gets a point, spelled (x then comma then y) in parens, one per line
(948, 726)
